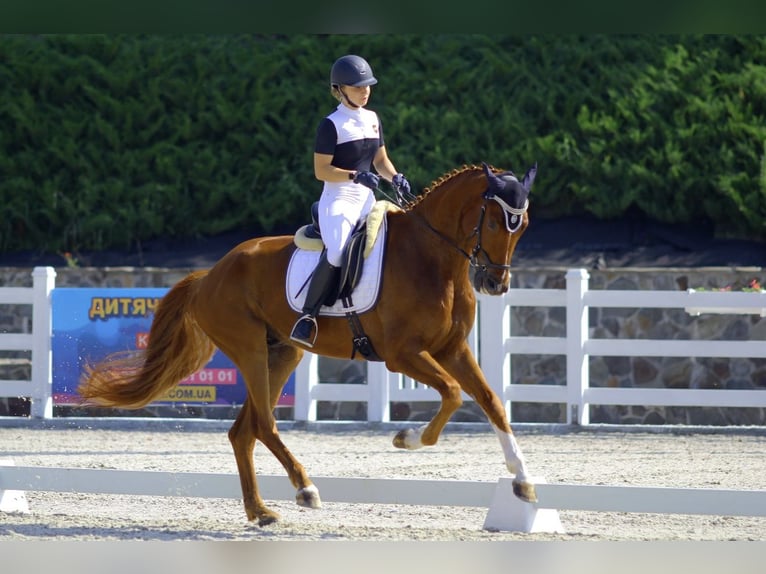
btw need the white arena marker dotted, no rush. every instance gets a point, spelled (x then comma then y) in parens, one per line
(508, 513)
(12, 500)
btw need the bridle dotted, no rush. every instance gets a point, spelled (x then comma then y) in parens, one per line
(512, 224)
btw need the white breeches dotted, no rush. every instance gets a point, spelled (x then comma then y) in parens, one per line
(339, 212)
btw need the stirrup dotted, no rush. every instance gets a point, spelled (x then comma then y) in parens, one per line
(303, 329)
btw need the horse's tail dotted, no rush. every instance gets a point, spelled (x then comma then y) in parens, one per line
(177, 348)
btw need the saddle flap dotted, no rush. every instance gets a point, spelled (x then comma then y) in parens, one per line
(353, 262)
(366, 289)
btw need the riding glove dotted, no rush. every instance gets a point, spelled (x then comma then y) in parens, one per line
(368, 179)
(401, 186)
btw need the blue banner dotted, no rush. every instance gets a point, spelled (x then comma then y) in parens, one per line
(89, 324)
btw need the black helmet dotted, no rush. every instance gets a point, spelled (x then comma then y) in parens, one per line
(353, 71)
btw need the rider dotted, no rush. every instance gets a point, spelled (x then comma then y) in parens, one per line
(349, 143)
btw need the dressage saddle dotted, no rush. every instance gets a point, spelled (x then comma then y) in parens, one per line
(353, 257)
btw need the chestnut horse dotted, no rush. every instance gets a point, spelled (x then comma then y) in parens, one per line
(457, 236)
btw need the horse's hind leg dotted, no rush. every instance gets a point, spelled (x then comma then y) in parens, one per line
(242, 438)
(282, 362)
(265, 372)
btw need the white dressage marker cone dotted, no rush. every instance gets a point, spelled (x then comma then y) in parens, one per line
(11, 500)
(508, 513)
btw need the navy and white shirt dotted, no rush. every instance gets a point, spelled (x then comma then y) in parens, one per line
(352, 137)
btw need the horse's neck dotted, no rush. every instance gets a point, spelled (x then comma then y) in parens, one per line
(445, 206)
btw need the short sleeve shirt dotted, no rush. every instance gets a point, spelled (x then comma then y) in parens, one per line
(352, 137)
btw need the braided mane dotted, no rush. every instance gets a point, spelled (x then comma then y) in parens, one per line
(442, 180)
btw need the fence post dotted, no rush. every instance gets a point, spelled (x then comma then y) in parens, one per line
(43, 282)
(379, 399)
(494, 332)
(577, 335)
(306, 378)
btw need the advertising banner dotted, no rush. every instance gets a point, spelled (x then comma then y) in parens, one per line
(89, 324)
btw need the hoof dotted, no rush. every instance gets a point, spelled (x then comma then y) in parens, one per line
(308, 497)
(267, 517)
(408, 439)
(525, 491)
(400, 440)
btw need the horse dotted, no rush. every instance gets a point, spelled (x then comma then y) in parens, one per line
(455, 238)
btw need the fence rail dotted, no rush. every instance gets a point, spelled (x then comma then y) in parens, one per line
(492, 342)
(498, 345)
(505, 512)
(39, 387)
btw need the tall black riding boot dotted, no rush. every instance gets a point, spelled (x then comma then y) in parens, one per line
(323, 281)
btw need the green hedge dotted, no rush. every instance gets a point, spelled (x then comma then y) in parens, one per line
(108, 141)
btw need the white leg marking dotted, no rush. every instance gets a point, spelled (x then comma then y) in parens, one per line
(312, 489)
(412, 438)
(310, 493)
(514, 459)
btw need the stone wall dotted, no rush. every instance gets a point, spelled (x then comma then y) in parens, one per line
(670, 372)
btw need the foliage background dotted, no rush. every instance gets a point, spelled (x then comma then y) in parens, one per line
(107, 141)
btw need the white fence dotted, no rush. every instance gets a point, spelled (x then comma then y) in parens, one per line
(493, 343)
(38, 342)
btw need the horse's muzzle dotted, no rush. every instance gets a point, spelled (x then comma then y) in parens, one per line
(486, 283)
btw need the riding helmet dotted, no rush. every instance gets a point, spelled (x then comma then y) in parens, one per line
(353, 71)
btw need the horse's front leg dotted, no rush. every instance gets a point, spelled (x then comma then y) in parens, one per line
(424, 368)
(463, 366)
(514, 461)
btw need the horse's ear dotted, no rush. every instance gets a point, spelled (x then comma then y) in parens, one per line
(494, 184)
(529, 177)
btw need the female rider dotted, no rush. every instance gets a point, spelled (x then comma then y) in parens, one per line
(349, 143)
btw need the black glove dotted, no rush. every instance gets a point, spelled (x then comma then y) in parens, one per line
(368, 179)
(402, 187)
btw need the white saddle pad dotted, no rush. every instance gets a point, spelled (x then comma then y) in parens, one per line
(365, 294)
